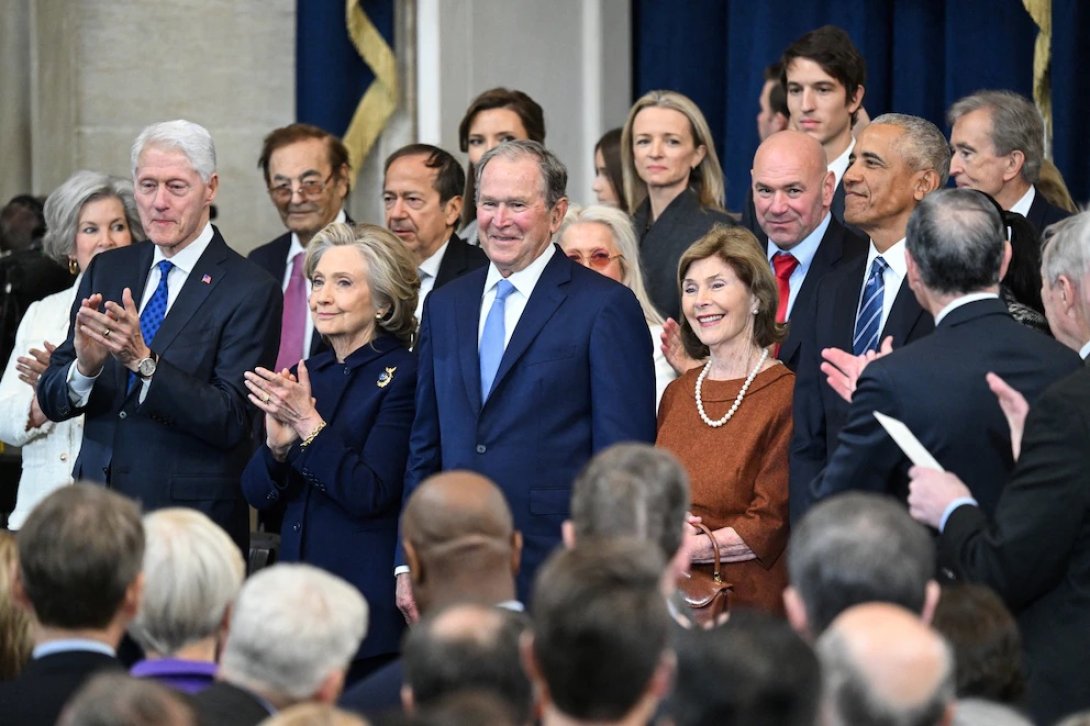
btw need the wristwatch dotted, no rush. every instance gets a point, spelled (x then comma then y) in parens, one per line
(146, 367)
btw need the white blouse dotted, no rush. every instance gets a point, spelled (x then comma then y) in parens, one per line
(49, 451)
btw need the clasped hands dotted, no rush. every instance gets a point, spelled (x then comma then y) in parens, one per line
(288, 406)
(731, 546)
(30, 368)
(112, 331)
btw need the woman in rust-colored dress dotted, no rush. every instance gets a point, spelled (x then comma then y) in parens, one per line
(729, 421)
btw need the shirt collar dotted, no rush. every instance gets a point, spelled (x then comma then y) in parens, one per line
(525, 279)
(963, 300)
(65, 645)
(805, 250)
(296, 246)
(430, 266)
(839, 165)
(1084, 352)
(1022, 205)
(187, 257)
(894, 257)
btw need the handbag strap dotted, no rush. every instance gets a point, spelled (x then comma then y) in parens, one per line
(715, 549)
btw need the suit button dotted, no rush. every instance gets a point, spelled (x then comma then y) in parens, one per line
(272, 496)
(346, 370)
(122, 415)
(295, 528)
(64, 457)
(481, 448)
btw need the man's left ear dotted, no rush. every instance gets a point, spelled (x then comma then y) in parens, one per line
(1015, 161)
(212, 187)
(452, 210)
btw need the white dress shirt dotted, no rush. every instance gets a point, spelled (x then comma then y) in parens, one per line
(839, 165)
(963, 300)
(524, 281)
(1022, 205)
(893, 276)
(804, 252)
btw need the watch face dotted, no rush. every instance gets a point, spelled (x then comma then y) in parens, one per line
(146, 367)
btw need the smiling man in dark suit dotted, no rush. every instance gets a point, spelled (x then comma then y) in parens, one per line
(792, 191)
(306, 172)
(160, 340)
(531, 365)
(422, 193)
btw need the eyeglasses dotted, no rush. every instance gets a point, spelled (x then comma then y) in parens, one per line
(599, 259)
(309, 188)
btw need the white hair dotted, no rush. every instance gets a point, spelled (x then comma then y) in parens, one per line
(292, 626)
(192, 572)
(191, 139)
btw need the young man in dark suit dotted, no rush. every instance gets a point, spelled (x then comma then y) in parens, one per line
(80, 556)
(422, 192)
(159, 343)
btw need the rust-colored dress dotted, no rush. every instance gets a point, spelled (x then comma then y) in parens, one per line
(738, 471)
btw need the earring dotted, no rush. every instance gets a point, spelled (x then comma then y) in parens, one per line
(73, 266)
(754, 311)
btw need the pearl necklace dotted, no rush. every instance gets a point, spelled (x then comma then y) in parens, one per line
(737, 401)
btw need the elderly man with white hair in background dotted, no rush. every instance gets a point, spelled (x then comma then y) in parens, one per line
(291, 639)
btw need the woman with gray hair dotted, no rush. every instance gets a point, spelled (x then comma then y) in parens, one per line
(88, 213)
(192, 573)
(603, 239)
(337, 425)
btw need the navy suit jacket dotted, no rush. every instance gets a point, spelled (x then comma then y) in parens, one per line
(577, 376)
(1042, 213)
(936, 387)
(342, 494)
(187, 443)
(819, 413)
(1036, 551)
(459, 258)
(224, 704)
(839, 246)
(40, 692)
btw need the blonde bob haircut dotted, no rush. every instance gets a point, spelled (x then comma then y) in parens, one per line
(706, 179)
(738, 248)
(391, 271)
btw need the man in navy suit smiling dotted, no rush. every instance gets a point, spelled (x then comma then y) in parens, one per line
(531, 365)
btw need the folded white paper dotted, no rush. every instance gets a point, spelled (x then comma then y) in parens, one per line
(908, 442)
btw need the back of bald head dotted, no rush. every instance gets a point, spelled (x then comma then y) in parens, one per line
(794, 148)
(882, 664)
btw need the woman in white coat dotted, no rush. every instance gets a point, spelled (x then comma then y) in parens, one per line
(88, 213)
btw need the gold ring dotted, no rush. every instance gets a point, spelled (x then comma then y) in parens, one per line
(267, 397)
(106, 333)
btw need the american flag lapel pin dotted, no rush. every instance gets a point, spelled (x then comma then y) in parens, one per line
(207, 279)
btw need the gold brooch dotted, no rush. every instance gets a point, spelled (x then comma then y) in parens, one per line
(386, 377)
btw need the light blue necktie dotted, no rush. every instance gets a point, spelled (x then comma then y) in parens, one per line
(868, 323)
(154, 312)
(491, 348)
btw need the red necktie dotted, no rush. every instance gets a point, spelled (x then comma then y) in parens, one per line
(293, 327)
(784, 263)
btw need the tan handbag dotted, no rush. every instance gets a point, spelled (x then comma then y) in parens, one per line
(706, 594)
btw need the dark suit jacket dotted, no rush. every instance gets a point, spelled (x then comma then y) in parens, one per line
(187, 443)
(838, 246)
(342, 494)
(662, 243)
(576, 377)
(378, 693)
(458, 259)
(936, 387)
(38, 695)
(1042, 213)
(1036, 551)
(223, 704)
(819, 413)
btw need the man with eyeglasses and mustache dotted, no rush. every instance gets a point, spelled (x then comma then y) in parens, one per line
(306, 172)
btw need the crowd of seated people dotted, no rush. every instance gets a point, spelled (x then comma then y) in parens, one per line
(522, 460)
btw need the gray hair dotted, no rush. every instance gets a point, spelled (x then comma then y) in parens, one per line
(292, 626)
(624, 237)
(554, 175)
(118, 698)
(191, 139)
(1016, 126)
(956, 238)
(391, 269)
(192, 573)
(1066, 250)
(63, 207)
(854, 701)
(858, 547)
(632, 490)
(923, 146)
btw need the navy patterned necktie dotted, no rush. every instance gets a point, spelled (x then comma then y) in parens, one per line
(868, 324)
(156, 309)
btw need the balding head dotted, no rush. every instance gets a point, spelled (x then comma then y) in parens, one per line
(792, 187)
(882, 664)
(457, 525)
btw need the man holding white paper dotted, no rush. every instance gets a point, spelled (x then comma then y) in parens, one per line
(956, 255)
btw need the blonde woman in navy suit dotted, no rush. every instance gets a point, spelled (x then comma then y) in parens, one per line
(338, 424)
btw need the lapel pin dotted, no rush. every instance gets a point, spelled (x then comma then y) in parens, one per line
(207, 279)
(385, 378)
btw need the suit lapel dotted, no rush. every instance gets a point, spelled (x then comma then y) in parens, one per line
(546, 298)
(902, 316)
(828, 253)
(202, 279)
(847, 304)
(467, 320)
